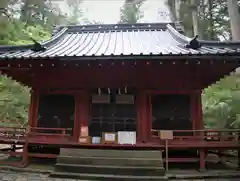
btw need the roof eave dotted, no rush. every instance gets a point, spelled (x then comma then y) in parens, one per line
(228, 56)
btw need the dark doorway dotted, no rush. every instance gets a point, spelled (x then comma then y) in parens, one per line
(56, 111)
(112, 113)
(171, 112)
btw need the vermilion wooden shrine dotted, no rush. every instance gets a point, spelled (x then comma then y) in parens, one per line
(91, 79)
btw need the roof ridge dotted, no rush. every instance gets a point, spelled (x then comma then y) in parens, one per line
(113, 27)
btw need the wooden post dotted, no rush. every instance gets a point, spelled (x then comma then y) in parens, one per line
(202, 159)
(166, 135)
(139, 116)
(143, 129)
(30, 110)
(166, 154)
(76, 129)
(197, 122)
(200, 126)
(149, 118)
(193, 112)
(200, 123)
(84, 113)
(35, 95)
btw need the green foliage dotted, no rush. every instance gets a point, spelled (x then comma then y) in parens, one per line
(130, 12)
(14, 98)
(221, 103)
(213, 18)
(41, 12)
(14, 101)
(75, 11)
(15, 32)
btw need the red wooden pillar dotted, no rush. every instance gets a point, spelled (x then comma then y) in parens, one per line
(143, 112)
(30, 110)
(139, 116)
(82, 113)
(196, 109)
(76, 129)
(149, 117)
(193, 112)
(197, 120)
(35, 97)
(200, 123)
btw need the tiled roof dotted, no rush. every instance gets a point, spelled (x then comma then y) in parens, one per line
(117, 40)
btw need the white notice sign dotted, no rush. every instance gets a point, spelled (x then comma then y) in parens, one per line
(127, 137)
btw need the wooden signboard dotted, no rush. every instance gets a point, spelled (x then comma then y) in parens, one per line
(166, 135)
(85, 139)
(109, 138)
(84, 131)
(100, 99)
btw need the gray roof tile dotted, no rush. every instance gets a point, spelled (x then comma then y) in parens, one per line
(116, 40)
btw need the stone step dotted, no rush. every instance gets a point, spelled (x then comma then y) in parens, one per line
(111, 153)
(106, 169)
(110, 161)
(104, 177)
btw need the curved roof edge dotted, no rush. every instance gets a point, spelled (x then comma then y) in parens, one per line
(53, 39)
(113, 27)
(211, 43)
(177, 35)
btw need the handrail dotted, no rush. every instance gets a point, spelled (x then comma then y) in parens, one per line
(206, 134)
(203, 130)
(12, 132)
(51, 129)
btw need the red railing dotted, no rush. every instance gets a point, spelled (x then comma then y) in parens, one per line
(197, 139)
(38, 131)
(13, 137)
(13, 146)
(207, 134)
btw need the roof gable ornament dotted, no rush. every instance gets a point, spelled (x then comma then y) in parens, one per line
(194, 43)
(37, 47)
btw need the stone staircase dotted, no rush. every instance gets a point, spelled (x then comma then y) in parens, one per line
(101, 164)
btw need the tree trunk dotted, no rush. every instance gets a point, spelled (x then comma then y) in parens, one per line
(177, 9)
(195, 18)
(210, 2)
(234, 18)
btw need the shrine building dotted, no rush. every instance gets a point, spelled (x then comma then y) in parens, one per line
(141, 78)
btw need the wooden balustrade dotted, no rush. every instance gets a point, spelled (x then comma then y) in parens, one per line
(16, 134)
(207, 134)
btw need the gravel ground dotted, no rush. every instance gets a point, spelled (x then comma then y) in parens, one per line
(13, 176)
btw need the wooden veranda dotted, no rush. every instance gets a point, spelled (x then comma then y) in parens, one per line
(206, 140)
